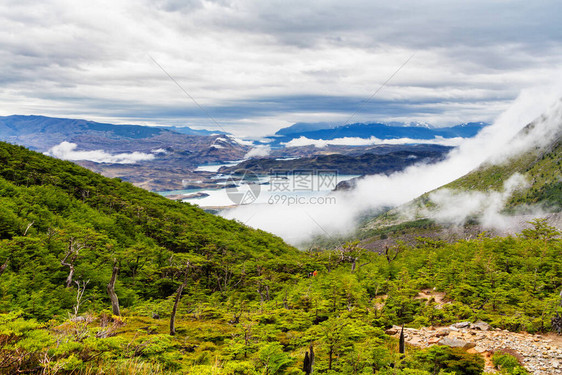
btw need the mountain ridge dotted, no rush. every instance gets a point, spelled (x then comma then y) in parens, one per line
(378, 130)
(523, 183)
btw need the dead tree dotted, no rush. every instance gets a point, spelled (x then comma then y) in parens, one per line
(351, 253)
(111, 290)
(308, 362)
(70, 257)
(177, 301)
(402, 348)
(388, 253)
(79, 294)
(4, 266)
(556, 323)
(27, 228)
(401, 342)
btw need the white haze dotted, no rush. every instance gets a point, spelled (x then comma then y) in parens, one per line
(260, 151)
(495, 143)
(67, 151)
(356, 141)
(456, 207)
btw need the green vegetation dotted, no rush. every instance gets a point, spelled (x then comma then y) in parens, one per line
(243, 301)
(541, 168)
(508, 364)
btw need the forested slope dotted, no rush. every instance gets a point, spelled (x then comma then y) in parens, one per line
(53, 209)
(246, 302)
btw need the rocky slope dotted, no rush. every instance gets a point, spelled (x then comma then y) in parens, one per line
(540, 355)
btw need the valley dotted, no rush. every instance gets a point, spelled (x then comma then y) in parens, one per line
(134, 282)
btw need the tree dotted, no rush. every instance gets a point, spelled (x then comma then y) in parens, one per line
(272, 359)
(178, 298)
(540, 231)
(308, 363)
(4, 266)
(111, 289)
(69, 260)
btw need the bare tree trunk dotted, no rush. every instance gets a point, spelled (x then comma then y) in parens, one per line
(27, 228)
(70, 265)
(111, 290)
(177, 302)
(4, 266)
(70, 274)
(267, 292)
(73, 249)
(79, 294)
(308, 363)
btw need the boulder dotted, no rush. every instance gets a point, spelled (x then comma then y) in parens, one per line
(461, 325)
(433, 341)
(456, 343)
(442, 332)
(480, 325)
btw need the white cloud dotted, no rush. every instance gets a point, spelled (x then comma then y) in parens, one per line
(260, 151)
(456, 207)
(355, 141)
(242, 142)
(67, 151)
(256, 64)
(494, 143)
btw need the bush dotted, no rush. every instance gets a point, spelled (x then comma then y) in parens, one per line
(508, 364)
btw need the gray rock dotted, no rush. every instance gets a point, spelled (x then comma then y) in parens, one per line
(461, 325)
(442, 332)
(455, 343)
(480, 325)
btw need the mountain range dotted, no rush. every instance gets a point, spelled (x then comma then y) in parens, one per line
(156, 158)
(385, 131)
(166, 158)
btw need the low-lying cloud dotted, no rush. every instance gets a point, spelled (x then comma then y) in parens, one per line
(457, 207)
(495, 143)
(260, 151)
(67, 151)
(356, 141)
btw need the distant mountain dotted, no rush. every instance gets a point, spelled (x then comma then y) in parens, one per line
(189, 131)
(41, 133)
(525, 185)
(378, 130)
(387, 160)
(168, 157)
(301, 127)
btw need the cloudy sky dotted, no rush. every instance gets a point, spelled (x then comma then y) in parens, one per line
(255, 66)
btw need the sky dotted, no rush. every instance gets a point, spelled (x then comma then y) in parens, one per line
(255, 66)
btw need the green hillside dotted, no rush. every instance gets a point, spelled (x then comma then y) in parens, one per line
(51, 207)
(100, 277)
(542, 168)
